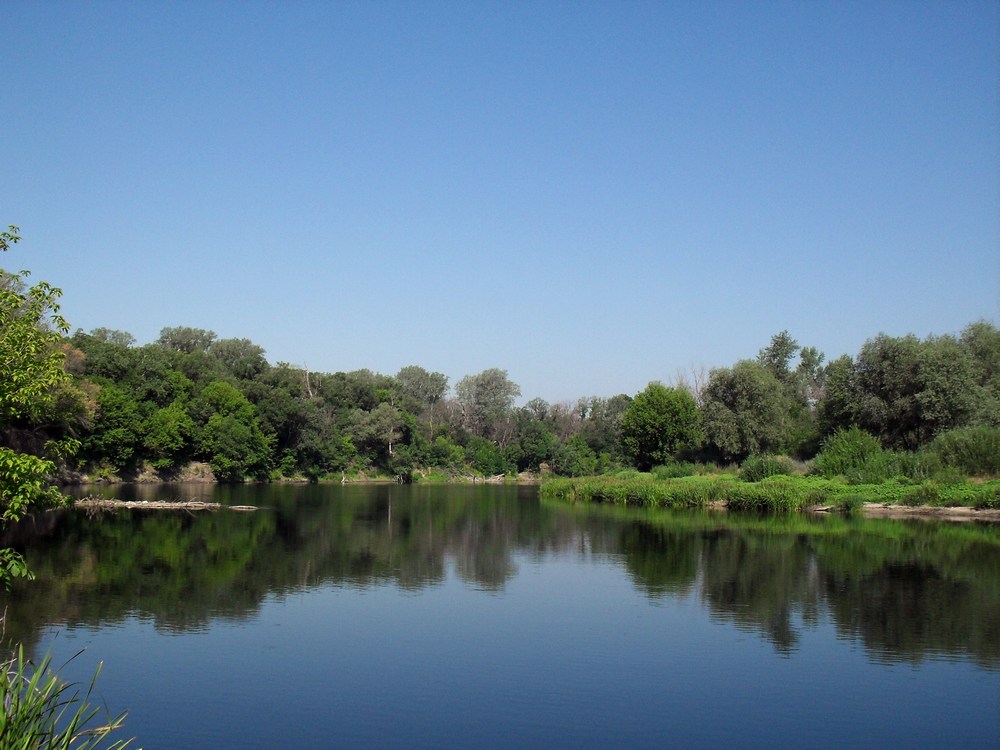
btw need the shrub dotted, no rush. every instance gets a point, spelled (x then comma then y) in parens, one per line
(850, 503)
(974, 451)
(856, 456)
(926, 494)
(756, 468)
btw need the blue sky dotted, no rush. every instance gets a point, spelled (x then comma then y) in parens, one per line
(589, 195)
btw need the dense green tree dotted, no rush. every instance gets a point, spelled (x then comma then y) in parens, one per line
(803, 388)
(231, 440)
(601, 426)
(777, 356)
(116, 436)
(379, 428)
(235, 448)
(185, 339)
(487, 457)
(486, 400)
(575, 458)
(240, 358)
(660, 424)
(744, 411)
(537, 444)
(169, 436)
(906, 391)
(982, 340)
(424, 388)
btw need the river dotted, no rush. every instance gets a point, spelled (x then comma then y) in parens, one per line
(480, 616)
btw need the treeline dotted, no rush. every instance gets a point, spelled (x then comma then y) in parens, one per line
(191, 396)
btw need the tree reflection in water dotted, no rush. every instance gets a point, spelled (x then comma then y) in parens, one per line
(904, 589)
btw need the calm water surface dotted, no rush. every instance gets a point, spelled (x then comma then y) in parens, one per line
(470, 617)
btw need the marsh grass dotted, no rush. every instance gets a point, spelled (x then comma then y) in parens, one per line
(774, 493)
(40, 710)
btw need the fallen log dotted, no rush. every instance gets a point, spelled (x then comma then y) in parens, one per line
(97, 503)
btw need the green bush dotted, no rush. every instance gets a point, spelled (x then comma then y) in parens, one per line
(857, 456)
(756, 468)
(925, 494)
(850, 503)
(975, 451)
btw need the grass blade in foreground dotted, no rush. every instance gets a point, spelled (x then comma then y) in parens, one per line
(40, 710)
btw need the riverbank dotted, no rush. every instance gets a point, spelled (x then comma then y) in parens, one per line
(959, 500)
(201, 473)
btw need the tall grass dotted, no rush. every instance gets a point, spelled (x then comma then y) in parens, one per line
(40, 710)
(776, 493)
(756, 468)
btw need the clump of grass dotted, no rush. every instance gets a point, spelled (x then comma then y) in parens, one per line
(756, 468)
(850, 503)
(40, 710)
(778, 493)
(674, 470)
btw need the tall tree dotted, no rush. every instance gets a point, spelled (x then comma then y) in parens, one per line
(660, 424)
(486, 400)
(241, 358)
(744, 410)
(185, 339)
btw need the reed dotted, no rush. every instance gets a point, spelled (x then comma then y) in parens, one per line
(40, 710)
(775, 493)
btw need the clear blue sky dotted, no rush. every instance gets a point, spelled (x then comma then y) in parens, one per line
(589, 195)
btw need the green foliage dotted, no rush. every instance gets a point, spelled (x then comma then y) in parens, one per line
(756, 468)
(43, 712)
(744, 410)
(486, 400)
(235, 448)
(186, 340)
(906, 390)
(31, 373)
(975, 451)
(169, 435)
(116, 434)
(857, 456)
(674, 470)
(538, 445)
(659, 424)
(25, 484)
(575, 458)
(241, 358)
(487, 458)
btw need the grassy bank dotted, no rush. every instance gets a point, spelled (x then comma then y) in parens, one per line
(776, 493)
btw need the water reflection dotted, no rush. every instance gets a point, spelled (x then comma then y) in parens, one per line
(905, 590)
